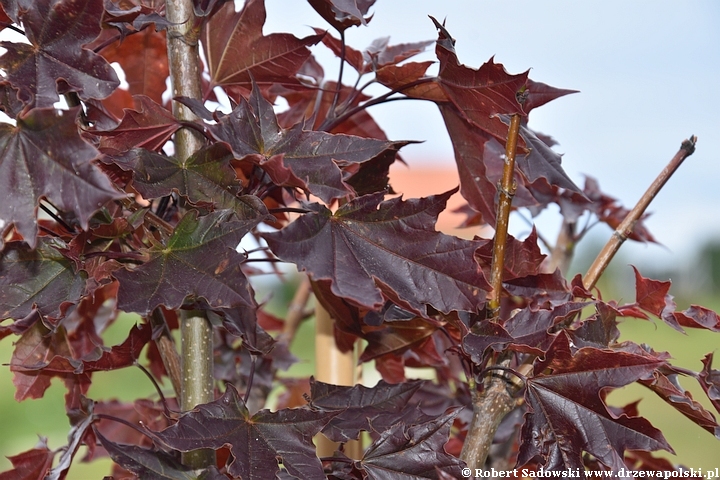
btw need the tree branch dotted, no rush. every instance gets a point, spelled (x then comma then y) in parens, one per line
(625, 228)
(196, 331)
(507, 191)
(495, 400)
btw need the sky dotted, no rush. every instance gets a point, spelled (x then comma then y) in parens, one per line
(647, 72)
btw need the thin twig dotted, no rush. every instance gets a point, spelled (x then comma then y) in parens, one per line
(562, 253)
(507, 191)
(623, 231)
(168, 352)
(295, 312)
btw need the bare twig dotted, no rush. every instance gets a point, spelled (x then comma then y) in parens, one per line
(168, 352)
(296, 312)
(562, 253)
(623, 231)
(507, 191)
(495, 400)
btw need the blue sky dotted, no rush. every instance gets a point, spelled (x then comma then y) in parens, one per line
(647, 71)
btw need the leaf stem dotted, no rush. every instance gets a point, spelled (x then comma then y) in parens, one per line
(623, 231)
(166, 410)
(338, 87)
(327, 126)
(507, 191)
(251, 378)
(55, 217)
(12, 27)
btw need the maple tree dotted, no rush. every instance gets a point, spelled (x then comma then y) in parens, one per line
(145, 202)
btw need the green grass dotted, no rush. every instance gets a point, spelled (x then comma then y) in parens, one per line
(694, 447)
(23, 422)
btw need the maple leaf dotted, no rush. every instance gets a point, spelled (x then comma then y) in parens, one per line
(378, 55)
(541, 161)
(481, 95)
(399, 77)
(412, 451)
(361, 408)
(44, 156)
(146, 463)
(33, 464)
(666, 386)
(143, 58)
(182, 267)
(652, 296)
(40, 355)
(257, 442)
(39, 280)
(538, 94)
(343, 14)
(567, 415)
(523, 257)
(237, 51)
(609, 211)
(205, 177)
(367, 247)
(306, 159)
(54, 61)
(709, 379)
(150, 127)
(479, 159)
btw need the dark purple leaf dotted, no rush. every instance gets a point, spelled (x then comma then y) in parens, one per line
(146, 463)
(297, 158)
(709, 379)
(257, 442)
(55, 61)
(481, 95)
(182, 268)
(44, 156)
(343, 14)
(368, 247)
(237, 51)
(39, 280)
(538, 94)
(149, 128)
(203, 178)
(40, 355)
(120, 356)
(542, 162)
(33, 464)
(412, 451)
(567, 415)
(523, 258)
(361, 408)
(667, 387)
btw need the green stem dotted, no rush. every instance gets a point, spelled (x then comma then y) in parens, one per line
(196, 331)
